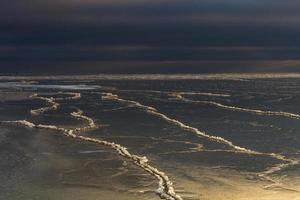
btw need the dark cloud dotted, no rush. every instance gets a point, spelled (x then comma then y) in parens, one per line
(149, 36)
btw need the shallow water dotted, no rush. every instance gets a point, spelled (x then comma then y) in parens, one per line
(212, 139)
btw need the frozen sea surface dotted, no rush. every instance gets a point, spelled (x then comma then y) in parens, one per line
(155, 138)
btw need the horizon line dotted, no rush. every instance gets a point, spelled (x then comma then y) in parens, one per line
(202, 76)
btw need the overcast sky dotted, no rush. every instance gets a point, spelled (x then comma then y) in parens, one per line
(149, 36)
